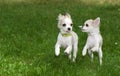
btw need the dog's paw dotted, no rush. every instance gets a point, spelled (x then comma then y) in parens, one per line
(66, 53)
(57, 53)
(73, 60)
(100, 62)
(70, 56)
(83, 53)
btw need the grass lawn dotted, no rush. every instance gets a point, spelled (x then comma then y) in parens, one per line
(28, 33)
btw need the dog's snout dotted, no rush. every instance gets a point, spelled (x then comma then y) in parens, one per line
(69, 29)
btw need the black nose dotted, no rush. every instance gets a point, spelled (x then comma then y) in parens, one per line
(69, 29)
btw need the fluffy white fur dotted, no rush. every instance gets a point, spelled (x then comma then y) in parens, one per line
(67, 38)
(94, 40)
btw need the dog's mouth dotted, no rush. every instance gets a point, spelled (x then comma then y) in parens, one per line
(83, 30)
(68, 31)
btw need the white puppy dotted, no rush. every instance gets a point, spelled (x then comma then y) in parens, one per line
(94, 40)
(67, 38)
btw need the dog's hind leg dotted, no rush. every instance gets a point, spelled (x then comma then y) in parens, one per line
(75, 47)
(91, 54)
(70, 56)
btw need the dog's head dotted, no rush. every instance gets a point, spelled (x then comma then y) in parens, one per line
(65, 23)
(91, 25)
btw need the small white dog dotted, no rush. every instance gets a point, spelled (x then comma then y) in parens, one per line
(67, 38)
(94, 40)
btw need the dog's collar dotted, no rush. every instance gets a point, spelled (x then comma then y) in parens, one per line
(66, 34)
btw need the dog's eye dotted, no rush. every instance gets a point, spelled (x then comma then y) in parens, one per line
(64, 24)
(87, 25)
(71, 24)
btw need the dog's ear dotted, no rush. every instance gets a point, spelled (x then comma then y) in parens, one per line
(60, 16)
(97, 21)
(68, 15)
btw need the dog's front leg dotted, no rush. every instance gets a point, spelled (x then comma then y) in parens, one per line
(57, 49)
(95, 48)
(68, 50)
(100, 55)
(84, 50)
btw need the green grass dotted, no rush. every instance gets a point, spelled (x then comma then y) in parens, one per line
(28, 33)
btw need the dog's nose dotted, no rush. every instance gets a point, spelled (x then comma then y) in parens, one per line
(69, 29)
